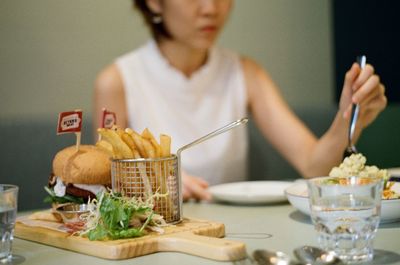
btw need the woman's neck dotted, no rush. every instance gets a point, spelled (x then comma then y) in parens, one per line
(186, 59)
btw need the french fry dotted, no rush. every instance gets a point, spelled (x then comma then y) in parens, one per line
(120, 149)
(165, 144)
(149, 148)
(143, 178)
(146, 134)
(159, 182)
(154, 171)
(106, 146)
(118, 130)
(129, 141)
(137, 139)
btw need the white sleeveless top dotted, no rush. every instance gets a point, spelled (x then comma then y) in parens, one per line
(161, 98)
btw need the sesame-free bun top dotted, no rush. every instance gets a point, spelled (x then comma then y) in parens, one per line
(88, 165)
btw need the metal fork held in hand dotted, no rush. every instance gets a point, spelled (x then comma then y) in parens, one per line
(355, 109)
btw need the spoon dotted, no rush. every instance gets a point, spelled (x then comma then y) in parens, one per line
(316, 256)
(355, 109)
(266, 257)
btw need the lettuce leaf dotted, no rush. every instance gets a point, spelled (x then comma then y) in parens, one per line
(53, 198)
(115, 216)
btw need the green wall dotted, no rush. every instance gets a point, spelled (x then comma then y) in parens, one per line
(51, 50)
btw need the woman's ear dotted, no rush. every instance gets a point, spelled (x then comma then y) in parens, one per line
(154, 6)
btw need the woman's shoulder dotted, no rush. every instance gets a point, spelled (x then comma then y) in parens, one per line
(251, 68)
(255, 76)
(109, 78)
(244, 60)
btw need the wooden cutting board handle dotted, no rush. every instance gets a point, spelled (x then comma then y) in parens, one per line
(203, 246)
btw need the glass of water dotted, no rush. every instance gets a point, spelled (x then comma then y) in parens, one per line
(346, 213)
(8, 214)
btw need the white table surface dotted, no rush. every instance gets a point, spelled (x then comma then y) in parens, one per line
(272, 227)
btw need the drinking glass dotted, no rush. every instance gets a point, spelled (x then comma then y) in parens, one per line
(346, 213)
(8, 214)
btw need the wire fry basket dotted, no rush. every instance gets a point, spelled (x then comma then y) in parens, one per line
(146, 177)
(143, 178)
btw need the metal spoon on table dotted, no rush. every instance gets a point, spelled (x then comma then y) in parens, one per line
(355, 109)
(266, 257)
(316, 256)
(307, 255)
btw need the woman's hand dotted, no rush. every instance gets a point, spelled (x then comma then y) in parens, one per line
(362, 86)
(194, 188)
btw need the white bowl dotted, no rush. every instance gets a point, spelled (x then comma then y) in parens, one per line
(297, 195)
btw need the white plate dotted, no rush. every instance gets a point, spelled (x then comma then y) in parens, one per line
(251, 192)
(298, 197)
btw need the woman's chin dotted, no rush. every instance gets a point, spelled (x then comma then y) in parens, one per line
(204, 43)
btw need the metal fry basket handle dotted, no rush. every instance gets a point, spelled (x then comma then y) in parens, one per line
(200, 140)
(212, 134)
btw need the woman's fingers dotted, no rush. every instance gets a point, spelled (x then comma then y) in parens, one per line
(363, 76)
(201, 182)
(378, 92)
(347, 92)
(350, 78)
(363, 87)
(196, 188)
(199, 193)
(373, 105)
(347, 112)
(376, 100)
(368, 89)
(185, 193)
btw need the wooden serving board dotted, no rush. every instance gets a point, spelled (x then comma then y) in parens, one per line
(192, 236)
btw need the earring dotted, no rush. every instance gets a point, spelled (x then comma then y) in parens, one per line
(156, 19)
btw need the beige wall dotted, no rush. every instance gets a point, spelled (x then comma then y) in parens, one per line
(51, 50)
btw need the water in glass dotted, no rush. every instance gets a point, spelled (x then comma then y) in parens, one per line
(347, 230)
(7, 222)
(8, 214)
(346, 214)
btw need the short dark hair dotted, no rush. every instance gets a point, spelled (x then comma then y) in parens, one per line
(157, 29)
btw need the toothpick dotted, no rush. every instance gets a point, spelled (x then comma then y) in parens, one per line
(78, 137)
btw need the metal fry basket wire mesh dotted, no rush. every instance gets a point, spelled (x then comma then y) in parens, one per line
(146, 177)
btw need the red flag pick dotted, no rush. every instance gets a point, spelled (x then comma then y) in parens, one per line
(70, 122)
(109, 119)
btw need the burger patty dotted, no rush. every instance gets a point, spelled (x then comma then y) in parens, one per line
(77, 192)
(72, 190)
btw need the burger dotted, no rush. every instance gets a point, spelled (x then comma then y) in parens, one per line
(78, 175)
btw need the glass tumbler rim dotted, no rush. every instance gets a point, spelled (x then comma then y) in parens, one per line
(345, 181)
(8, 188)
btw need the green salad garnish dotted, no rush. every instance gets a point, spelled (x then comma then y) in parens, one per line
(113, 216)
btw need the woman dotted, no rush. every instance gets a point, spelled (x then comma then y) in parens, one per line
(180, 84)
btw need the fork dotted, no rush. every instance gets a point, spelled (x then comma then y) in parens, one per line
(355, 109)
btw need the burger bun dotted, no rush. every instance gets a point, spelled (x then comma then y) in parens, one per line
(88, 165)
